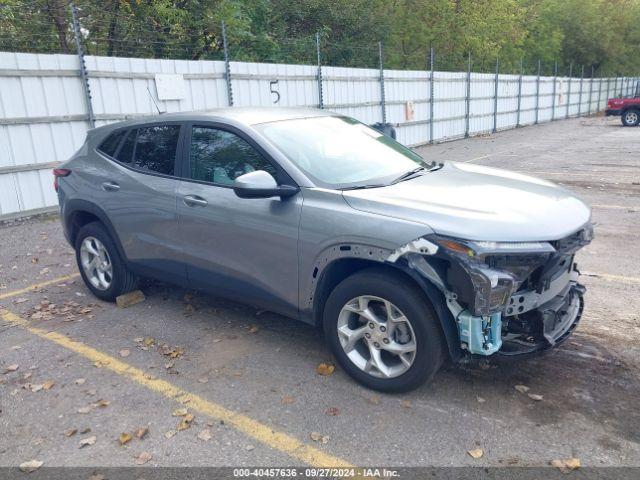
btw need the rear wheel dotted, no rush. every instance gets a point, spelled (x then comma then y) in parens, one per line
(102, 269)
(630, 118)
(382, 331)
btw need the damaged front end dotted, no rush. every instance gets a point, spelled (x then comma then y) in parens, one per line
(507, 297)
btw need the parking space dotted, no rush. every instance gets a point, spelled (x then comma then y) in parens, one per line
(74, 364)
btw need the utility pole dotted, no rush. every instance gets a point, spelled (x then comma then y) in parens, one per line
(83, 67)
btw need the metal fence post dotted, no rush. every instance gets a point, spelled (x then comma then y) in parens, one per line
(383, 105)
(553, 102)
(590, 91)
(319, 76)
(83, 67)
(227, 66)
(580, 97)
(569, 90)
(599, 94)
(495, 96)
(537, 94)
(431, 96)
(608, 87)
(519, 93)
(467, 104)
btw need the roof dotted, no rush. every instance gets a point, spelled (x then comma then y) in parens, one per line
(245, 115)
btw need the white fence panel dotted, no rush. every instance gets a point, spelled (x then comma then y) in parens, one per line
(43, 111)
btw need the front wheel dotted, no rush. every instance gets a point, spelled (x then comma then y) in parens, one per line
(630, 118)
(382, 331)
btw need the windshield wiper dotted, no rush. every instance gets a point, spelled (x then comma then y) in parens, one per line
(362, 187)
(407, 175)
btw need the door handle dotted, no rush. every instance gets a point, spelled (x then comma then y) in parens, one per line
(194, 201)
(110, 186)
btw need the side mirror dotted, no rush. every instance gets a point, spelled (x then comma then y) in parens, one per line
(261, 184)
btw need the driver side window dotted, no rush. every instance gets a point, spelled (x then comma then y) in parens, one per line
(218, 156)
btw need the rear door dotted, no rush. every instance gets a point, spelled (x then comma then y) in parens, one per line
(142, 192)
(245, 249)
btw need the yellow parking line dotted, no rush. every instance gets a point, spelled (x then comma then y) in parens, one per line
(277, 440)
(612, 278)
(38, 286)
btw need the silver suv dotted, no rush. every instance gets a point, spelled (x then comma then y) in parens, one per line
(401, 261)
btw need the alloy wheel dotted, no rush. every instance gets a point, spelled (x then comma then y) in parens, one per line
(376, 336)
(96, 263)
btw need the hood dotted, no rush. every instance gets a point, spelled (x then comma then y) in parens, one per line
(474, 202)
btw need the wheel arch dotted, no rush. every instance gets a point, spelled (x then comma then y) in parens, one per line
(341, 268)
(78, 213)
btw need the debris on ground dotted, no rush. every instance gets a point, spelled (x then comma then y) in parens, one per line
(318, 437)
(124, 438)
(325, 369)
(535, 396)
(31, 466)
(87, 441)
(143, 458)
(476, 453)
(141, 432)
(522, 388)
(566, 465)
(129, 299)
(332, 412)
(205, 435)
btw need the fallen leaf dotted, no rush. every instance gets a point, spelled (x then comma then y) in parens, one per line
(186, 422)
(332, 411)
(143, 458)
(179, 412)
(70, 432)
(141, 432)
(124, 438)
(205, 435)
(248, 448)
(11, 368)
(148, 341)
(80, 381)
(129, 299)
(318, 437)
(87, 441)
(35, 387)
(203, 379)
(535, 396)
(566, 465)
(405, 404)
(288, 400)
(48, 384)
(86, 409)
(325, 369)
(31, 466)
(169, 433)
(253, 329)
(480, 399)
(522, 388)
(125, 352)
(102, 403)
(476, 453)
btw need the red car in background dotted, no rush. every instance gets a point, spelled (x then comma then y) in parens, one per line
(627, 108)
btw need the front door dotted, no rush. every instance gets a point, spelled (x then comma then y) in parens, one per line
(245, 249)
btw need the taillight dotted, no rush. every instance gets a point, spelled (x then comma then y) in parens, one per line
(57, 173)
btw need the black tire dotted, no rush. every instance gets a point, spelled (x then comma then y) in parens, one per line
(400, 291)
(630, 118)
(123, 280)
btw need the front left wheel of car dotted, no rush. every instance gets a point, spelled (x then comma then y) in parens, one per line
(383, 331)
(101, 266)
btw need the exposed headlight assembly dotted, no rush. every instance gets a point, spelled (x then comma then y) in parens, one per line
(484, 274)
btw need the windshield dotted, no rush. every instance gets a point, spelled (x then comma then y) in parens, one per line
(340, 152)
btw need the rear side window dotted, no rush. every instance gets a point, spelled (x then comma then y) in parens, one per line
(155, 148)
(126, 150)
(111, 143)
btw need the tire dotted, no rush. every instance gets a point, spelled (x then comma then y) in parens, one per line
(377, 285)
(121, 279)
(630, 118)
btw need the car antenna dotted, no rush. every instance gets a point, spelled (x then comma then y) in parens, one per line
(154, 101)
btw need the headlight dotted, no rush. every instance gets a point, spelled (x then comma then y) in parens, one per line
(485, 274)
